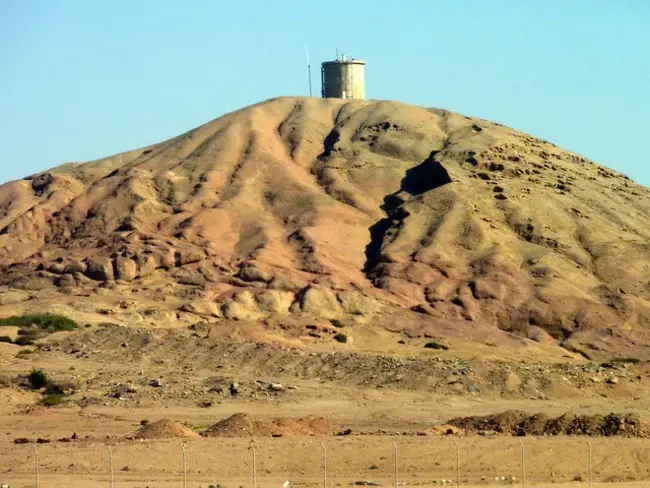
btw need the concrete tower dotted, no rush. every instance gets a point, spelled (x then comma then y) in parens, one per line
(344, 78)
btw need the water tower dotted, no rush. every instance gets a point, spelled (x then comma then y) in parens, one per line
(344, 78)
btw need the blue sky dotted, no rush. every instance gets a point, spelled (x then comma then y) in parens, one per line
(83, 79)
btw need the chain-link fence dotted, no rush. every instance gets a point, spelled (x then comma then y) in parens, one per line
(331, 463)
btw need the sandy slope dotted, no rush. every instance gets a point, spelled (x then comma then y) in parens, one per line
(361, 211)
(235, 253)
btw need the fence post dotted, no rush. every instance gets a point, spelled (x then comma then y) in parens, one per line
(252, 446)
(184, 465)
(590, 462)
(110, 464)
(324, 464)
(523, 463)
(37, 467)
(396, 469)
(457, 463)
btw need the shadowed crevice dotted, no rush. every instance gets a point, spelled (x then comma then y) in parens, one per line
(426, 176)
(328, 144)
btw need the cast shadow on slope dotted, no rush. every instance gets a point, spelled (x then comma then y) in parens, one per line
(426, 176)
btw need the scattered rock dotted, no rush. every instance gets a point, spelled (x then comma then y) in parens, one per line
(276, 387)
(41, 182)
(342, 338)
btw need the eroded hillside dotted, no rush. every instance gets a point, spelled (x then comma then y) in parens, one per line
(379, 215)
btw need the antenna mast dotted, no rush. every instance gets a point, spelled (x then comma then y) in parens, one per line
(308, 67)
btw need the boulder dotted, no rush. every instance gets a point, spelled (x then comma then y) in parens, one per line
(319, 302)
(188, 256)
(356, 303)
(485, 288)
(168, 260)
(56, 268)
(202, 307)
(274, 301)
(146, 264)
(100, 269)
(251, 273)
(66, 280)
(75, 267)
(41, 182)
(125, 269)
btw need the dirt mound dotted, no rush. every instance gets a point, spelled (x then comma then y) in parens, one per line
(245, 425)
(515, 422)
(164, 429)
(458, 224)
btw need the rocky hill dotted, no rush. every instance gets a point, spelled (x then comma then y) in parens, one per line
(295, 211)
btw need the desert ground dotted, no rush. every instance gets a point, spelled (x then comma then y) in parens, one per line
(356, 273)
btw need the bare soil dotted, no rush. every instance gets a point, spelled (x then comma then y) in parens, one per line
(164, 429)
(305, 268)
(522, 424)
(244, 425)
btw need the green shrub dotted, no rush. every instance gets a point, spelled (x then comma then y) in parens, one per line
(6, 339)
(342, 338)
(626, 360)
(24, 341)
(44, 321)
(38, 379)
(53, 399)
(436, 345)
(54, 389)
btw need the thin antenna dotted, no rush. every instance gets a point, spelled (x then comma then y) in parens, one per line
(308, 67)
(337, 54)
